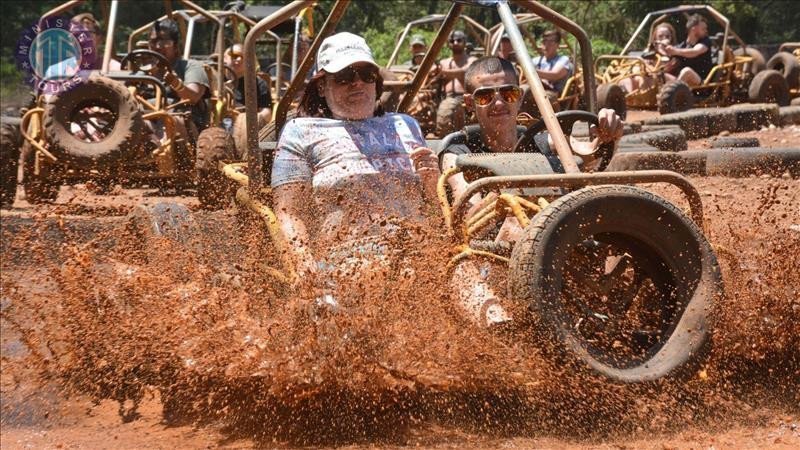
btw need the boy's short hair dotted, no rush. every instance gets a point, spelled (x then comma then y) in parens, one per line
(552, 33)
(488, 64)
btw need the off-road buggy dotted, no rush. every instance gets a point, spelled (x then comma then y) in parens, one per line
(615, 278)
(114, 125)
(571, 96)
(737, 75)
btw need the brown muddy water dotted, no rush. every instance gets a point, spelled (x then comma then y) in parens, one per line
(107, 346)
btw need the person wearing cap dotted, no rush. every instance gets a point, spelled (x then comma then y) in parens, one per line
(417, 48)
(450, 115)
(234, 57)
(346, 174)
(553, 69)
(493, 93)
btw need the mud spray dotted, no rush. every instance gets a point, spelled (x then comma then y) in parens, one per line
(220, 344)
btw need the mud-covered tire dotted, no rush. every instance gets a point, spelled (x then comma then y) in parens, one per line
(122, 139)
(733, 142)
(759, 62)
(675, 96)
(611, 95)
(42, 187)
(747, 161)
(768, 86)
(240, 137)
(10, 141)
(786, 64)
(653, 239)
(214, 190)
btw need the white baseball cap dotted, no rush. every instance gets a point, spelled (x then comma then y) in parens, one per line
(341, 50)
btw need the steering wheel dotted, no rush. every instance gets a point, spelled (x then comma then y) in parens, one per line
(567, 120)
(147, 61)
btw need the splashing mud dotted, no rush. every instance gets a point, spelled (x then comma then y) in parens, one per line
(214, 340)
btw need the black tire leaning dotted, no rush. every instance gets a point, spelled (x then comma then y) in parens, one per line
(743, 162)
(611, 95)
(690, 162)
(672, 139)
(10, 140)
(768, 86)
(125, 136)
(787, 65)
(759, 62)
(42, 187)
(671, 249)
(214, 190)
(675, 96)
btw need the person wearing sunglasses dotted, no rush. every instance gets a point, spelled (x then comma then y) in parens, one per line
(495, 97)
(234, 58)
(187, 80)
(450, 114)
(346, 176)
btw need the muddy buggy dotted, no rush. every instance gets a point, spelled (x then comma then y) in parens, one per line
(571, 96)
(616, 280)
(738, 74)
(117, 126)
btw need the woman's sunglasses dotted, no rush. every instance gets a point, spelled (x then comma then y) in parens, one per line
(508, 93)
(368, 74)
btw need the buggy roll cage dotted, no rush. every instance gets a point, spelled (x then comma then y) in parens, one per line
(664, 14)
(256, 159)
(474, 29)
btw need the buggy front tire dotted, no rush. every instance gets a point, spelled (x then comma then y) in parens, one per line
(675, 96)
(214, 190)
(618, 281)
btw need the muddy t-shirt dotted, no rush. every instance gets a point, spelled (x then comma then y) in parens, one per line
(191, 71)
(360, 171)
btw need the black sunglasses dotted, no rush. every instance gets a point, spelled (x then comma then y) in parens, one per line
(368, 74)
(508, 92)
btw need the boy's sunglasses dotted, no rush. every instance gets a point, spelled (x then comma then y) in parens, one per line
(508, 93)
(368, 74)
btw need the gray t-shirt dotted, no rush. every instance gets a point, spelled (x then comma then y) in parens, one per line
(558, 61)
(360, 170)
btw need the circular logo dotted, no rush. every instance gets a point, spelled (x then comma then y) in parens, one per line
(56, 54)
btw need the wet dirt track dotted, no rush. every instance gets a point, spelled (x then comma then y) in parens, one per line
(467, 394)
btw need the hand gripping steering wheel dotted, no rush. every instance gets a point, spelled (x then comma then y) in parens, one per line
(147, 61)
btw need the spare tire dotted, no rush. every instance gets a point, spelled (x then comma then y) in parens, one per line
(618, 281)
(675, 96)
(94, 123)
(611, 95)
(768, 86)
(759, 62)
(787, 65)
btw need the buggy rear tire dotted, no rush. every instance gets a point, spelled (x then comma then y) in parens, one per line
(759, 62)
(9, 161)
(675, 96)
(787, 65)
(611, 95)
(768, 86)
(658, 250)
(41, 188)
(96, 91)
(214, 190)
